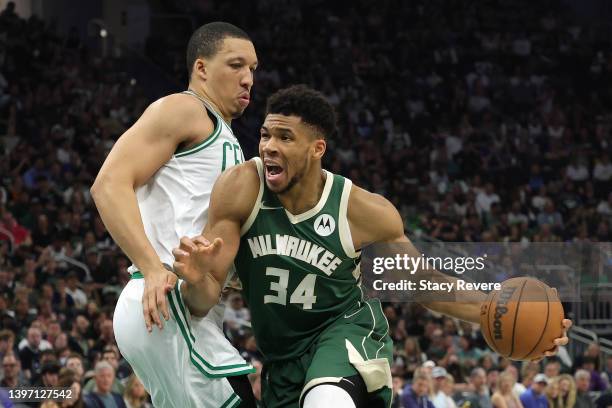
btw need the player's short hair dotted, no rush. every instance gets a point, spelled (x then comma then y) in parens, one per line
(310, 105)
(206, 41)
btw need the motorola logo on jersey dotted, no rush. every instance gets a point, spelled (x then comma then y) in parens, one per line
(324, 225)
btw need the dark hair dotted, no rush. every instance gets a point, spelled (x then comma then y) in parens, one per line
(308, 104)
(206, 40)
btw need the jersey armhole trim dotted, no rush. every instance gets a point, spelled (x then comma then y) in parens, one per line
(344, 230)
(249, 222)
(209, 140)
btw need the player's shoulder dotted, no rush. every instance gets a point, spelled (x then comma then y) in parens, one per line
(364, 207)
(236, 190)
(177, 106)
(362, 200)
(242, 174)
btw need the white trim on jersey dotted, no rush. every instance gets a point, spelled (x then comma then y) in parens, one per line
(294, 219)
(344, 230)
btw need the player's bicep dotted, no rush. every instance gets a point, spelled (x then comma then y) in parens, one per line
(364, 207)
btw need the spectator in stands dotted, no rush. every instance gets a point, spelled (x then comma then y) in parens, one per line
(443, 388)
(398, 389)
(553, 394)
(583, 384)
(67, 379)
(7, 343)
(477, 393)
(74, 362)
(492, 378)
(135, 395)
(72, 289)
(504, 397)
(415, 395)
(78, 340)
(534, 396)
(49, 375)
(13, 376)
(567, 391)
(237, 316)
(607, 370)
(596, 382)
(29, 352)
(552, 368)
(102, 395)
(110, 355)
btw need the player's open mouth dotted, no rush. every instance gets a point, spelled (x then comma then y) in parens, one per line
(274, 172)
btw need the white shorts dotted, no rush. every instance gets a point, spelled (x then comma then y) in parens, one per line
(186, 363)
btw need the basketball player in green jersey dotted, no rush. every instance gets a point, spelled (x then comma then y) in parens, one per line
(294, 232)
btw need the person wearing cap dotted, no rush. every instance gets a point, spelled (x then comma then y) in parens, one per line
(443, 388)
(534, 396)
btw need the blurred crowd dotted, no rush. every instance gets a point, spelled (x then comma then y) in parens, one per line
(487, 121)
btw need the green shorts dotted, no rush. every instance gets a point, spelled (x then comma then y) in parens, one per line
(355, 344)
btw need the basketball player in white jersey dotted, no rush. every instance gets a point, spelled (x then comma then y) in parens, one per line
(153, 188)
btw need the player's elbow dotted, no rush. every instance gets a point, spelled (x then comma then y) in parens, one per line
(101, 189)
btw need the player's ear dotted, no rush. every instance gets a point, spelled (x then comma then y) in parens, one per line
(319, 146)
(199, 69)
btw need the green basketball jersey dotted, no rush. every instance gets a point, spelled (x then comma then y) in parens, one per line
(299, 272)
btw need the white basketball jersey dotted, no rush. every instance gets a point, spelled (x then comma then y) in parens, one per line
(174, 202)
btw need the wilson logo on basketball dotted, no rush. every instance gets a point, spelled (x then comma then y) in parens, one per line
(324, 225)
(501, 310)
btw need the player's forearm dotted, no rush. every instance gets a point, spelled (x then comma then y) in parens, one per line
(467, 309)
(119, 211)
(201, 296)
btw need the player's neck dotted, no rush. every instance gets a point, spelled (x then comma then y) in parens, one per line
(204, 94)
(305, 194)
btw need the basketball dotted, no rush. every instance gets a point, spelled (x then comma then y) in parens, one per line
(521, 320)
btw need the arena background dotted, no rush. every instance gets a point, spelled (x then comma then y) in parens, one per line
(481, 121)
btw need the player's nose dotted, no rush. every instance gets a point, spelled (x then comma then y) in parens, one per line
(268, 146)
(246, 80)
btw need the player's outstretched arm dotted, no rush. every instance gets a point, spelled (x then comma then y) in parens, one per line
(166, 124)
(204, 261)
(365, 206)
(389, 228)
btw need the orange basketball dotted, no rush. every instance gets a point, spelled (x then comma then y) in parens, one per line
(521, 320)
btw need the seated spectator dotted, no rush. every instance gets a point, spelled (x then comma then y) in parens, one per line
(135, 395)
(49, 375)
(477, 393)
(534, 396)
(102, 396)
(504, 397)
(552, 368)
(13, 376)
(443, 388)
(553, 394)
(596, 382)
(67, 379)
(415, 395)
(30, 349)
(567, 391)
(583, 386)
(111, 356)
(74, 362)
